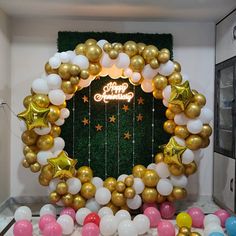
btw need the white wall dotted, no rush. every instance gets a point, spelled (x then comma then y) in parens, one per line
(35, 40)
(4, 113)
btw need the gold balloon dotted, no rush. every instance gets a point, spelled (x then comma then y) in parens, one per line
(85, 174)
(67, 199)
(45, 142)
(90, 42)
(149, 53)
(74, 70)
(113, 207)
(88, 190)
(34, 116)
(93, 53)
(160, 198)
(199, 99)
(169, 126)
(118, 199)
(29, 137)
(194, 91)
(137, 63)
(129, 181)
(110, 183)
(159, 82)
(175, 78)
(107, 47)
(129, 193)
(49, 70)
(176, 170)
(55, 131)
(154, 63)
(43, 181)
(171, 198)
(84, 74)
(191, 168)
(193, 142)
(192, 110)
(125, 207)
(163, 57)
(141, 47)
(80, 49)
(159, 158)
(118, 47)
(120, 186)
(36, 167)
(177, 66)
(169, 114)
(182, 234)
(25, 163)
(138, 171)
(181, 131)
(27, 100)
(54, 114)
(205, 142)
(175, 108)
(62, 188)
(74, 80)
(149, 195)
(206, 131)
(68, 88)
(47, 171)
(54, 197)
(63, 105)
(130, 48)
(185, 230)
(150, 178)
(94, 68)
(64, 71)
(78, 202)
(31, 157)
(179, 193)
(41, 100)
(27, 149)
(194, 234)
(113, 54)
(157, 94)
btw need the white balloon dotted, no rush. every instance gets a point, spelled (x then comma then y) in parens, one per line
(152, 166)
(54, 81)
(164, 187)
(104, 71)
(81, 61)
(40, 86)
(198, 154)
(74, 185)
(53, 184)
(106, 61)
(23, 213)
(122, 177)
(166, 68)
(194, 126)
(60, 122)
(135, 202)
(136, 77)
(165, 102)
(108, 225)
(103, 196)
(43, 156)
(146, 86)
(211, 218)
(43, 130)
(98, 182)
(128, 72)
(54, 62)
(67, 224)
(213, 228)
(22, 126)
(71, 54)
(122, 61)
(92, 205)
(138, 185)
(148, 73)
(64, 113)
(166, 92)
(81, 215)
(59, 144)
(83, 83)
(180, 141)
(101, 43)
(142, 223)
(48, 209)
(64, 57)
(162, 170)
(127, 228)
(57, 97)
(69, 96)
(179, 181)
(122, 215)
(181, 119)
(115, 72)
(206, 115)
(187, 156)
(105, 211)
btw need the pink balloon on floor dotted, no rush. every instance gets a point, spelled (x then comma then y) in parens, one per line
(223, 215)
(154, 216)
(90, 229)
(146, 205)
(23, 228)
(197, 216)
(167, 210)
(68, 211)
(165, 228)
(44, 220)
(52, 229)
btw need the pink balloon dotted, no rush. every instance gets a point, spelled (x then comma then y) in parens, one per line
(165, 228)
(223, 215)
(68, 211)
(197, 216)
(154, 216)
(44, 220)
(23, 228)
(146, 205)
(90, 229)
(52, 229)
(167, 210)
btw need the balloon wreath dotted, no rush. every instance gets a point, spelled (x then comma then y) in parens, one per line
(145, 65)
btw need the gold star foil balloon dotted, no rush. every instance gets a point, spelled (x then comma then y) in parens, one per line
(64, 167)
(34, 116)
(181, 94)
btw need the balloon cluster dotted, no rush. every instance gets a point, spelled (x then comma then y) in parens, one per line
(145, 65)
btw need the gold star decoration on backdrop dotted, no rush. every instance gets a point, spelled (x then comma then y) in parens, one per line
(112, 119)
(125, 108)
(139, 117)
(98, 127)
(85, 121)
(127, 135)
(85, 99)
(181, 94)
(140, 101)
(63, 166)
(34, 116)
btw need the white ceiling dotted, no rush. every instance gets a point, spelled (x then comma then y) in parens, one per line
(138, 10)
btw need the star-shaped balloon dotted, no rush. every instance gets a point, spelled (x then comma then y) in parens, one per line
(64, 167)
(181, 94)
(34, 116)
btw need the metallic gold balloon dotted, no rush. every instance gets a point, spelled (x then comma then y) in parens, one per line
(49, 70)
(78, 202)
(74, 80)
(137, 63)
(36, 167)
(84, 74)
(29, 137)
(136, 83)
(118, 47)
(125, 207)
(129, 193)
(54, 114)
(43, 181)
(199, 99)
(55, 131)
(90, 42)
(94, 68)
(113, 207)
(163, 57)
(62, 188)
(68, 87)
(31, 157)
(129, 181)
(193, 142)
(157, 94)
(120, 186)
(182, 234)
(159, 82)
(179, 193)
(80, 49)
(63, 105)
(206, 131)
(149, 195)
(141, 47)
(149, 53)
(41, 100)
(25, 163)
(45, 142)
(107, 47)
(160, 198)
(150, 178)
(47, 171)
(175, 78)
(85, 174)
(54, 197)
(110, 183)
(185, 230)
(169, 114)
(181, 131)
(27, 149)
(27, 100)
(171, 198)
(118, 199)
(93, 53)
(88, 190)
(67, 199)
(194, 91)
(176, 170)
(205, 142)
(159, 158)
(64, 71)
(74, 70)
(192, 110)
(175, 108)
(138, 171)
(177, 66)
(113, 54)
(169, 126)
(130, 48)
(194, 234)
(154, 63)
(190, 168)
